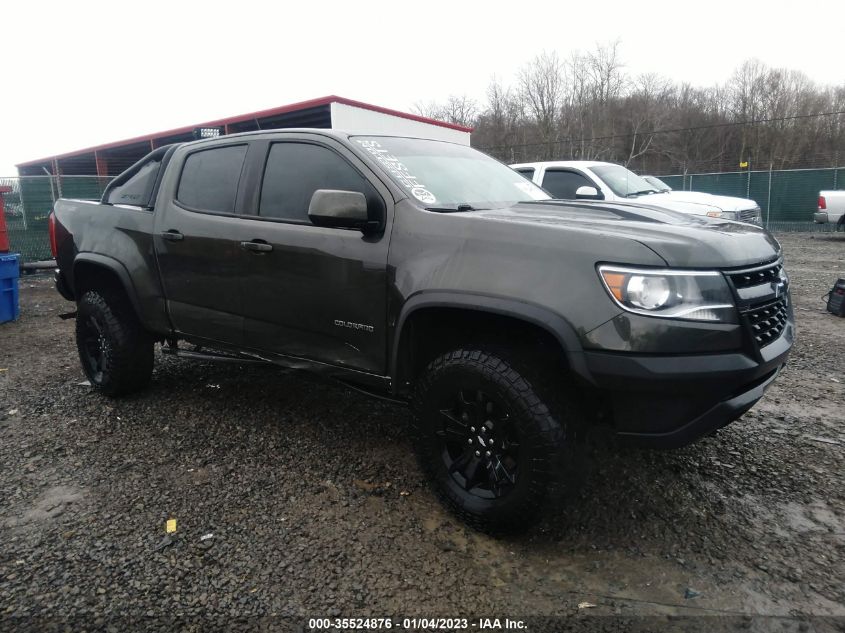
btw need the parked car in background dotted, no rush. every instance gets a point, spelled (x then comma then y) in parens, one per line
(657, 183)
(592, 180)
(831, 208)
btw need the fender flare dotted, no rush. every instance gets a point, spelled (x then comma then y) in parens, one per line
(114, 266)
(534, 314)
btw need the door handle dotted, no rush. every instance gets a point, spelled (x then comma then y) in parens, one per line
(172, 235)
(257, 247)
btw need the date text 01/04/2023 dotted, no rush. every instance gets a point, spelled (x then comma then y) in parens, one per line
(480, 624)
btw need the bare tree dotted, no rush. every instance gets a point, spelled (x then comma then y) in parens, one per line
(458, 109)
(500, 125)
(588, 107)
(644, 110)
(541, 90)
(605, 71)
(461, 110)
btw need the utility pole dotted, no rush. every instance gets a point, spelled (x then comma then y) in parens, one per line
(769, 198)
(748, 183)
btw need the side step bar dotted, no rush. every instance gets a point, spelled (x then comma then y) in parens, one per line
(212, 356)
(371, 393)
(326, 374)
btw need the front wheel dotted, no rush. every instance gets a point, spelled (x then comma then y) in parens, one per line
(487, 439)
(115, 351)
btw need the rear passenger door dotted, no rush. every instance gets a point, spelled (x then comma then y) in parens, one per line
(315, 292)
(563, 183)
(197, 229)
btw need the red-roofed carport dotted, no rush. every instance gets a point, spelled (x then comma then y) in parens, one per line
(110, 159)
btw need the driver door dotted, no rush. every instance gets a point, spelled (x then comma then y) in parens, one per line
(312, 291)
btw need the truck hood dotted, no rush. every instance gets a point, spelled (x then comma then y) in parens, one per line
(696, 202)
(680, 239)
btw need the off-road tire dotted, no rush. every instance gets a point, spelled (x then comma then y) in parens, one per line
(126, 364)
(543, 419)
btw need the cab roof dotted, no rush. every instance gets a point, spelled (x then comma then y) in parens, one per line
(565, 163)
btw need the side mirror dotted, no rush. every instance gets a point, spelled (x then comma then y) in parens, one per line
(588, 193)
(340, 209)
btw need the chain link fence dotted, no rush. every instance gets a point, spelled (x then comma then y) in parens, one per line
(29, 203)
(787, 197)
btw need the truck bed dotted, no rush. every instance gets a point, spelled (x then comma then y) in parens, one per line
(834, 203)
(122, 235)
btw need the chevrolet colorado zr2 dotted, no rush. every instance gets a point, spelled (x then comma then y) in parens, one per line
(427, 272)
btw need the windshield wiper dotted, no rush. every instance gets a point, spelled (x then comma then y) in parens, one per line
(642, 192)
(456, 209)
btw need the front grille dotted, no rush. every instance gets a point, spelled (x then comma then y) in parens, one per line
(763, 300)
(768, 321)
(749, 215)
(746, 279)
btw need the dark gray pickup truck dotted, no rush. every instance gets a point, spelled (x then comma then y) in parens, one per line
(429, 273)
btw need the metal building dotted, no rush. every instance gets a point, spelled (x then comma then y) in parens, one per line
(110, 159)
(85, 173)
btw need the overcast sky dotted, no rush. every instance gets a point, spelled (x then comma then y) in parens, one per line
(76, 74)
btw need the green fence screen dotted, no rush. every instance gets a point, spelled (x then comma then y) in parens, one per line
(788, 198)
(29, 204)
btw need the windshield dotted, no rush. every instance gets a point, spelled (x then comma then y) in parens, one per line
(623, 182)
(446, 176)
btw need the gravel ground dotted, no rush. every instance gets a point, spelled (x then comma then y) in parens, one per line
(317, 507)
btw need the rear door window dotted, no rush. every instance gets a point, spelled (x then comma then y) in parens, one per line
(564, 184)
(210, 178)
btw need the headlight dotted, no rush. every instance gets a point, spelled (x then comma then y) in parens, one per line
(671, 294)
(725, 215)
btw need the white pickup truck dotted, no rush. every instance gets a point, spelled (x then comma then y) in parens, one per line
(592, 180)
(831, 208)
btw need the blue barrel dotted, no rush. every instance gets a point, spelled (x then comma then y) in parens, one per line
(9, 273)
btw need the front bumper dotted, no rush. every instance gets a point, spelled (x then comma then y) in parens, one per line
(671, 401)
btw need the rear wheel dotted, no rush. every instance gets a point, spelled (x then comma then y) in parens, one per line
(487, 438)
(115, 351)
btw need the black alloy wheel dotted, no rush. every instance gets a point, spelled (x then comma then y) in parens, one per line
(115, 351)
(487, 437)
(480, 445)
(94, 349)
